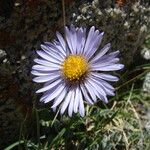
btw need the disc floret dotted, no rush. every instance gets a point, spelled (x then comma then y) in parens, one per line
(74, 67)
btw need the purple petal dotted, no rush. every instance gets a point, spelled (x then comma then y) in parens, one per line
(48, 87)
(108, 57)
(85, 94)
(45, 68)
(61, 40)
(105, 76)
(56, 46)
(89, 39)
(39, 73)
(59, 98)
(46, 78)
(66, 102)
(47, 93)
(51, 53)
(46, 63)
(58, 90)
(103, 84)
(102, 52)
(70, 35)
(103, 63)
(70, 108)
(96, 41)
(99, 92)
(81, 38)
(91, 91)
(73, 37)
(112, 67)
(99, 80)
(81, 105)
(76, 101)
(47, 57)
(106, 60)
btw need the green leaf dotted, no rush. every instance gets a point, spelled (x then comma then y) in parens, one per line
(14, 145)
(57, 139)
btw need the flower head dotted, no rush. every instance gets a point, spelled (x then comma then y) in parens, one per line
(72, 70)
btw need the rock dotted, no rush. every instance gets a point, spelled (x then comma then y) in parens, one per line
(125, 27)
(146, 85)
(2, 54)
(146, 53)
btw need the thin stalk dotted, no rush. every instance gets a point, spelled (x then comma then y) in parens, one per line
(38, 129)
(64, 13)
(21, 130)
(133, 79)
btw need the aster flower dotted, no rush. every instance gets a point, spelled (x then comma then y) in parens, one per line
(71, 68)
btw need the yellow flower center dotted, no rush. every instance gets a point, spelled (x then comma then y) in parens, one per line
(74, 67)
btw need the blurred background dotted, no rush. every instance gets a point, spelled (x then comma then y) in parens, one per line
(25, 123)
